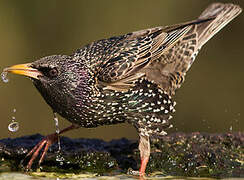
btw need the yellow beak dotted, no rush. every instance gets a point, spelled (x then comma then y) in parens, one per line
(24, 69)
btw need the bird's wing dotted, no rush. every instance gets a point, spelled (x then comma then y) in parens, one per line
(133, 55)
(163, 54)
(169, 72)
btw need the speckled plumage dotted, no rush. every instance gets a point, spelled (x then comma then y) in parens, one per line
(130, 77)
(103, 79)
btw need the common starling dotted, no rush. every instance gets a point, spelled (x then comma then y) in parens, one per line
(128, 78)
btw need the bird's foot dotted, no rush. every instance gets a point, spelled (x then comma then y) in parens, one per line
(46, 142)
(143, 167)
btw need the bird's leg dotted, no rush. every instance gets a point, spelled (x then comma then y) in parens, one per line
(47, 142)
(144, 147)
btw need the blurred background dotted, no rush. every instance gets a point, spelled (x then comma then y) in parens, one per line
(210, 100)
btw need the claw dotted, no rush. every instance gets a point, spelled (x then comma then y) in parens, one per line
(44, 152)
(47, 142)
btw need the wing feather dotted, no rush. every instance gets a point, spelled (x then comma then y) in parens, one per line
(162, 55)
(121, 71)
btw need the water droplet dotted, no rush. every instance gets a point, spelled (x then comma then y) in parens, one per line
(59, 157)
(13, 126)
(190, 164)
(110, 164)
(4, 76)
(55, 118)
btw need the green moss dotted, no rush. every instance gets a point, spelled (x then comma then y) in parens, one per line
(191, 155)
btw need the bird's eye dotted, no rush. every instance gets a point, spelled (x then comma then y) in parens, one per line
(53, 72)
(49, 72)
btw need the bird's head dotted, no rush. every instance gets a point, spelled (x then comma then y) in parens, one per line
(62, 81)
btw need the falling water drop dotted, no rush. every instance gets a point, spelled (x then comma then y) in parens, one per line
(55, 118)
(13, 125)
(4, 76)
(59, 157)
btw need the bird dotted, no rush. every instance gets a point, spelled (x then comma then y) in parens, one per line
(128, 78)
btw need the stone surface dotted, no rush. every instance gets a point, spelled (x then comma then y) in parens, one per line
(195, 154)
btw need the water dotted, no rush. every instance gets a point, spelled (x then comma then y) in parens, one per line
(90, 176)
(13, 125)
(59, 156)
(4, 76)
(55, 118)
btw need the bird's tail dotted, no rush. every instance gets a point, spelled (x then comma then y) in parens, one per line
(222, 14)
(181, 56)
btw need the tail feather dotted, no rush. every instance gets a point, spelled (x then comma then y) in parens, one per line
(223, 14)
(176, 61)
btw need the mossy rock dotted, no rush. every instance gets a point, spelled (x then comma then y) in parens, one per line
(195, 154)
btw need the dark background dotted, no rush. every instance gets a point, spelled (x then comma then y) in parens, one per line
(211, 99)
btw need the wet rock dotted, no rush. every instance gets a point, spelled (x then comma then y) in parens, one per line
(195, 154)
